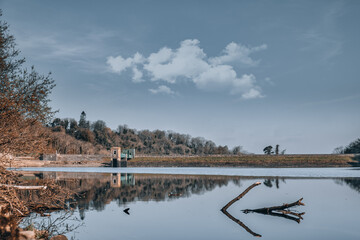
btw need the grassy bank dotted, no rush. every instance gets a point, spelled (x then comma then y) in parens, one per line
(313, 160)
(301, 160)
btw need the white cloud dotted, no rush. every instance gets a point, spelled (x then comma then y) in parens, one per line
(119, 64)
(137, 75)
(251, 94)
(216, 77)
(190, 63)
(237, 52)
(162, 89)
(186, 61)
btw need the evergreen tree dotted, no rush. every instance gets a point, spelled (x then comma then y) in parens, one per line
(82, 122)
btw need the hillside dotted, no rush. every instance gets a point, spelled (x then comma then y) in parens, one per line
(82, 137)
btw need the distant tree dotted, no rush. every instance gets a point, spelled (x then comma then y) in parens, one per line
(99, 126)
(73, 126)
(283, 152)
(353, 147)
(339, 150)
(277, 149)
(236, 150)
(222, 150)
(82, 122)
(268, 150)
(197, 145)
(210, 147)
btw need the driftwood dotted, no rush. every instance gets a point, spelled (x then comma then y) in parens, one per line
(278, 211)
(240, 196)
(240, 223)
(287, 215)
(24, 187)
(267, 210)
(224, 210)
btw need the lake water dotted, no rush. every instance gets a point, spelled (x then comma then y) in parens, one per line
(185, 203)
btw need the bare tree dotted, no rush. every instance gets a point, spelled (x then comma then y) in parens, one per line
(24, 101)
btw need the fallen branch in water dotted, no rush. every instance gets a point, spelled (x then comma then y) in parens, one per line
(224, 210)
(240, 196)
(278, 211)
(286, 215)
(267, 210)
(240, 223)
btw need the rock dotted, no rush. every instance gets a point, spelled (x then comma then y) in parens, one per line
(59, 237)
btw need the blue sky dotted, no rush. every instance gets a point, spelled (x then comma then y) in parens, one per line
(249, 73)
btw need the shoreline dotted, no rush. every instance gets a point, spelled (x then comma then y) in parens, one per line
(250, 161)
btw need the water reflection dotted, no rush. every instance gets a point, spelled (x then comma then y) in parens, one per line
(187, 206)
(282, 211)
(270, 181)
(353, 183)
(47, 226)
(96, 190)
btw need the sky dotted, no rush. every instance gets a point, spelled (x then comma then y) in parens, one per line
(252, 73)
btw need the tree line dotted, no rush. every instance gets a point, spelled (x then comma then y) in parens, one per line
(85, 137)
(352, 148)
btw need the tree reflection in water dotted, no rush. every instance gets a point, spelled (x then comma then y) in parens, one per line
(96, 190)
(269, 182)
(47, 226)
(353, 183)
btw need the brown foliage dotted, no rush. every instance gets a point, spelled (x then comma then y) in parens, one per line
(23, 101)
(21, 202)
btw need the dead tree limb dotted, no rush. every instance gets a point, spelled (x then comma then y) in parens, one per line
(286, 215)
(299, 215)
(224, 210)
(267, 210)
(240, 196)
(240, 223)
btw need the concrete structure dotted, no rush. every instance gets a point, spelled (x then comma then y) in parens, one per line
(117, 160)
(122, 179)
(120, 157)
(116, 153)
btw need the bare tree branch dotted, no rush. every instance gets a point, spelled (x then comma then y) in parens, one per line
(241, 224)
(267, 210)
(240, 196)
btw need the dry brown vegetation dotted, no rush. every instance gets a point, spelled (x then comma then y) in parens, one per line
(23, 102)
(19, 198)
(24, 111)
(321, 160)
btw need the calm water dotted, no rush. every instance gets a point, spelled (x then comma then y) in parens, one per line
(181, 205)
